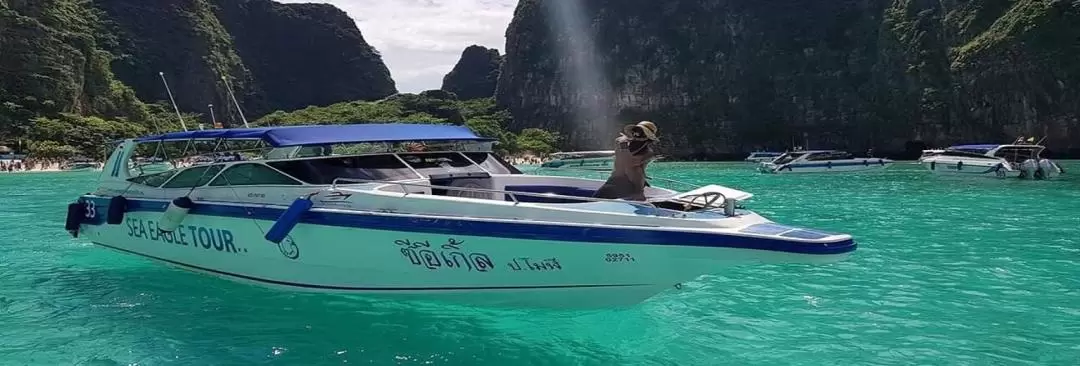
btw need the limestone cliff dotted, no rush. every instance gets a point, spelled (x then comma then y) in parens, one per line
(475, 74)
(75, 73)
(305, 54)
(51, 62)
(728, 76)
(274, 56)
(184, 40)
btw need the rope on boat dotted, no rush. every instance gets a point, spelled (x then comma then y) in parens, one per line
(284, 242)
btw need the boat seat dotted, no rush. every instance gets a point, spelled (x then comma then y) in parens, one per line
(480, 180)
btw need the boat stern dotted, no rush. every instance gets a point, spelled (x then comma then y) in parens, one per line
(85, 210)
(116, 167)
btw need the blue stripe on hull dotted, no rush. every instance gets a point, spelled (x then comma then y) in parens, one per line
(353, 288)
(531, 231)
(973, 170)
(868, 163)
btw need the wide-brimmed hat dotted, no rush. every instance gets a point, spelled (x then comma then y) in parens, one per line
(648, 127)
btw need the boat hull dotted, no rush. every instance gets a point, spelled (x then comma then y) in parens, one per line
(474, 262)
(760, 160)
(969, 169)
(841, 166)
(762, 157)
(986, 168)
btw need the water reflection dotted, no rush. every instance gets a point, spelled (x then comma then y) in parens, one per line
(165, 314)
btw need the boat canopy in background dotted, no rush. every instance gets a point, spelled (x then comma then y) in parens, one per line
(328, 134)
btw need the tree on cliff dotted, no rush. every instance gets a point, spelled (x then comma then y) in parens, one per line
(537, 141)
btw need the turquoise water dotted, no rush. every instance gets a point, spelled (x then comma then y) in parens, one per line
(949, 271)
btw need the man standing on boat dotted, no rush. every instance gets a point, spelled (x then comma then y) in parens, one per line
(633, 152)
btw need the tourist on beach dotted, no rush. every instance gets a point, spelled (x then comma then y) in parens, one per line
(633, 152)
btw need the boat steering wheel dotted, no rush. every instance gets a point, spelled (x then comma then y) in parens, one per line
(710, 198)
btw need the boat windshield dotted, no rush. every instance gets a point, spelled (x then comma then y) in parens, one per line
(788, 157)
(392, 167)
(828, 155)
(973, 149)
(157, 163)
(962, 153)
(1017, 154)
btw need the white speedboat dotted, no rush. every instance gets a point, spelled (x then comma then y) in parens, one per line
(819, 161)
(928, 153)
(143, 166)
(1002, 161)
(762, 156)
(80, 166)
(591, 160)
(314, 213)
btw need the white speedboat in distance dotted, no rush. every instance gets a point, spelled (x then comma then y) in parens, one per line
(928, 153)
(821, 161)
(345, 209)
(992, 160)
(590, 160)
(762, 156)
(80, 166)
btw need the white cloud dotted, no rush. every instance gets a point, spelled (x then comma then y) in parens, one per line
(421, 40)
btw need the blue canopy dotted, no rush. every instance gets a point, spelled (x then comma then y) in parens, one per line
(980, 147)
(328, 134)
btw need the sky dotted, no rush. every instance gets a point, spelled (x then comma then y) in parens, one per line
(421, 40)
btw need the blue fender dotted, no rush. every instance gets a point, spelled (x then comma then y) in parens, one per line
(288, 220)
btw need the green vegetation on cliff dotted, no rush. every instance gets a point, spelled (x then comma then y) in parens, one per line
(52, 71)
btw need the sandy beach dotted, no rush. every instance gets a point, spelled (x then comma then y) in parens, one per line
(47, 168)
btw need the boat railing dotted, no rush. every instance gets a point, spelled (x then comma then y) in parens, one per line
(512, 194)
(691, 186)
(707, 203)
(650, 178)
